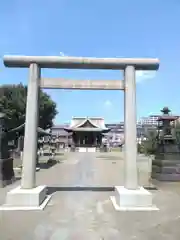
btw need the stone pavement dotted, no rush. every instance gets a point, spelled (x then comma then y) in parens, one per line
(80, 208)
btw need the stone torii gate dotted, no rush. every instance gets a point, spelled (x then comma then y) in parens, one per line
(130, 196)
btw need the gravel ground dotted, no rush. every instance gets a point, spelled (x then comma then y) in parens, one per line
(80, 207)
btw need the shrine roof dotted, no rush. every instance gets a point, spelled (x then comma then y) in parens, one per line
(87, 124)
(87, 130)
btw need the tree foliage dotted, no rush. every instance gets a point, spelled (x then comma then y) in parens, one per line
(13, 104)
(149, 145)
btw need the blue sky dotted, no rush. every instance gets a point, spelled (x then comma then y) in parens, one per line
(97, 28)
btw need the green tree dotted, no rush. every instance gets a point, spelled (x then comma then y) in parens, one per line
(148, 146)
(140, 148)
(13, 104)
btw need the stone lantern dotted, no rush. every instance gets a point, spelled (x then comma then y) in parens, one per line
(166, 165)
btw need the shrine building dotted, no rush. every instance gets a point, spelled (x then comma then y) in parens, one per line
(87, 132)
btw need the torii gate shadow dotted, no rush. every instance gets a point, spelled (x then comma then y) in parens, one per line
(51, 190)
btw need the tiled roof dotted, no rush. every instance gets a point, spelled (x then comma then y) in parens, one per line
(60, 126)
(96, 122)
(59, 132)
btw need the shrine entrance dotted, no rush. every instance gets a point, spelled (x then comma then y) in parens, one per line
(86, 139)
(87, 132)
(28, 193)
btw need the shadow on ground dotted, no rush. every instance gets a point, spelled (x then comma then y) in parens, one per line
(11, 181)
(47, 165)
(51, 190)
(109, 157)
(57, 154)
(17, 179)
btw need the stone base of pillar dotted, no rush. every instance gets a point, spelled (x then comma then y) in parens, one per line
(132, 200)
(26, 199)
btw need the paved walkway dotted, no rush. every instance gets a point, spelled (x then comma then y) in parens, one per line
(87, 213)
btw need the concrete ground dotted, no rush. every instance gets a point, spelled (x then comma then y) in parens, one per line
(80, 207)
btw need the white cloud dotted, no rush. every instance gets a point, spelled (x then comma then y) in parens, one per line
(107, 103)
(144, 75)
(62, 54)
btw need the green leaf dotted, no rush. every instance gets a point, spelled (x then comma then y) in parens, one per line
(13, 104)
